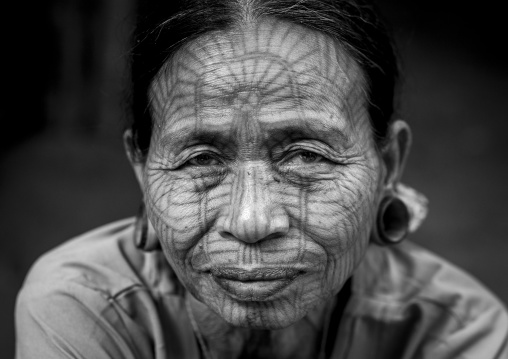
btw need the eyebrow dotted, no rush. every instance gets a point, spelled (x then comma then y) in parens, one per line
(313, 127)
(191, 134)
(314, 124)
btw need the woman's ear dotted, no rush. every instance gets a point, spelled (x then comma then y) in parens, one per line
(133, 155)
(395, 151)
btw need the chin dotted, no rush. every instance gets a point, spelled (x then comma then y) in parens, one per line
(262, 315)
(279, 311)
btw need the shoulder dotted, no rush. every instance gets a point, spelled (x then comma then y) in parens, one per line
(86, 295)
(409, 272)
(103, 260)
(447, 309)
(104, 263)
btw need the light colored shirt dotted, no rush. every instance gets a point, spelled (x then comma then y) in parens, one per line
(98, 296)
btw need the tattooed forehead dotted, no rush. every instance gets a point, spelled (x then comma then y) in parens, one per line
(269, 71)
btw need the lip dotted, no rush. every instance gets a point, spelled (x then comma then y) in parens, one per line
(255, 284)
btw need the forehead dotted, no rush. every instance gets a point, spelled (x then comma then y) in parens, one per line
(265, 67)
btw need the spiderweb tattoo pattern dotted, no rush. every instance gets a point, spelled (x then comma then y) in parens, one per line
(262, 159)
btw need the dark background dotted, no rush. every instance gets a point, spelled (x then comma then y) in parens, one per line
(62, 168)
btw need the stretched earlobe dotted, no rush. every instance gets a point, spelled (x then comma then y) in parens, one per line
(393, 221)
(144, 233)
(393, 216)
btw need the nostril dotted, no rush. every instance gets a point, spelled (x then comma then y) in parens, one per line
(252, 235)
(274, 236)
(226, 235)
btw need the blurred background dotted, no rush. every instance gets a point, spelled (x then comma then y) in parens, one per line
(63, 171)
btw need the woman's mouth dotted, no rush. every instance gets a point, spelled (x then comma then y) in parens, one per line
(255, 284)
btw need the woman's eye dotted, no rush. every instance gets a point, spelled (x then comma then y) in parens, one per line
(310, 157)
(203, 160)
(306, 157)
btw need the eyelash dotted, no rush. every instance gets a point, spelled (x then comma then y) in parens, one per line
(194, 161)
(290, 154)
(196, 158)
(307, 148)
(318, 157)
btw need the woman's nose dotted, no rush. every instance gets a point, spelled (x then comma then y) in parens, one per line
(251, 216)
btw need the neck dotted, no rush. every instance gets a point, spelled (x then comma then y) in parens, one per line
(303, 339)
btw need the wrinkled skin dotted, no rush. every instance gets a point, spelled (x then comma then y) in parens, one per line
(262, 158)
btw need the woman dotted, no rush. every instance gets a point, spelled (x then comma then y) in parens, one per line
(269, 158)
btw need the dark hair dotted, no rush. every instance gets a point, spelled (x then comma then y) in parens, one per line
(164, 26)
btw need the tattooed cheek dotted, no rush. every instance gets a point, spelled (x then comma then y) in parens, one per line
(203, 183)
(193, 181)
(311, 181)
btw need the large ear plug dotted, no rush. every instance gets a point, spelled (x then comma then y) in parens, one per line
(392, 224)
(144, 234)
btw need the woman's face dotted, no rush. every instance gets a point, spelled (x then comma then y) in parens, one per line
(262, 178)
